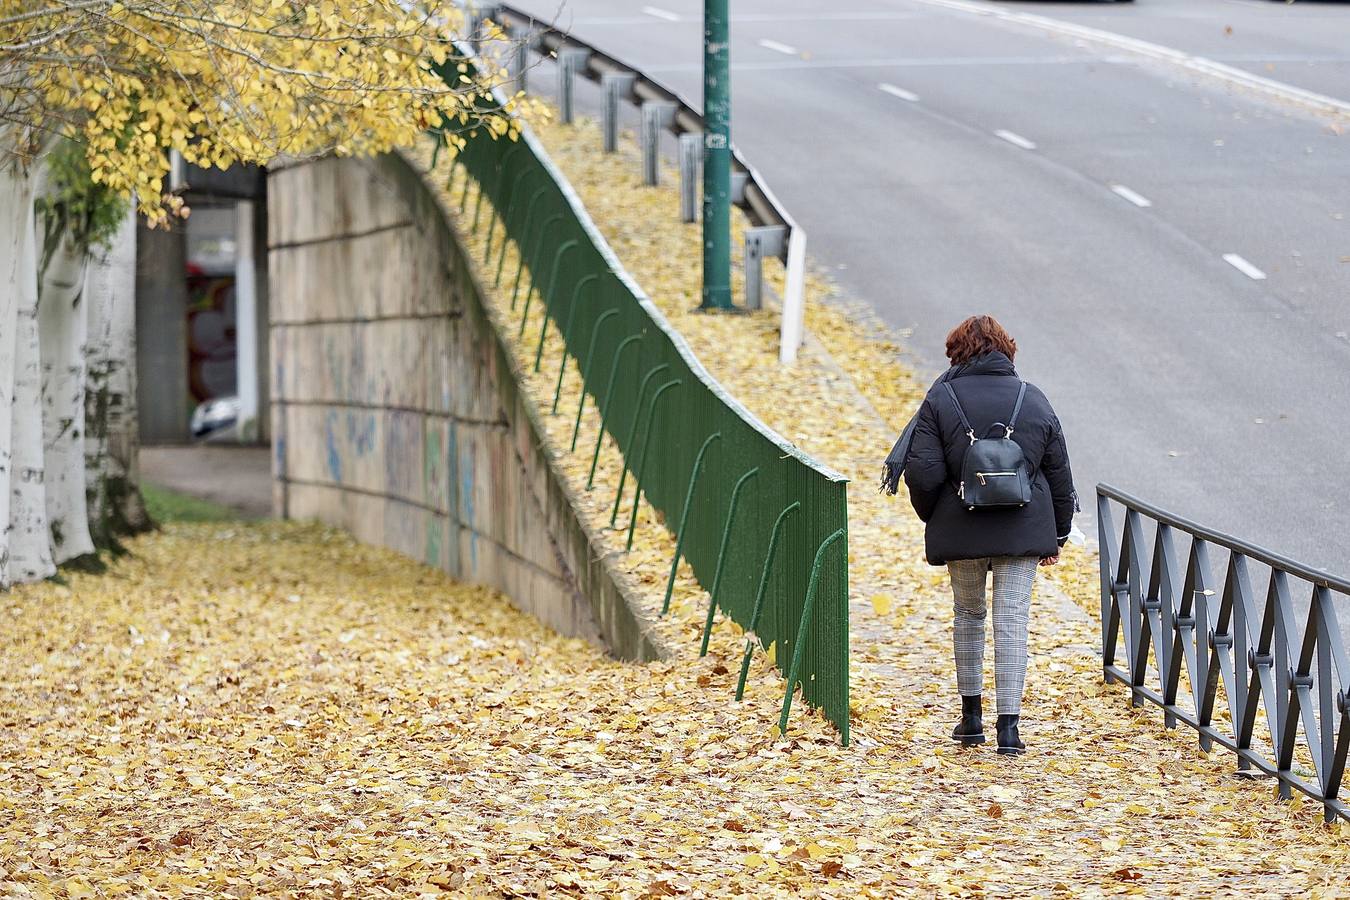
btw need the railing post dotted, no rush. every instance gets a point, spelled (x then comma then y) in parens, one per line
(586, 372)
(759, 597)
(722, 557)
(684, 517)
(804, 627)
(656, 114)
(566, 335)
(691, 154)
(603, 404)
(616, 86)
(632, 434)
(642, 460)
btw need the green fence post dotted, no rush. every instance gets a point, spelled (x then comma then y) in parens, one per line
(759, 597)
(604, 404)
(722, 558)
(501, 173)
(632, 434)
(534, 254)
(477, 208)
(468, 176)
(566, 335)
(520, 245)
(642, 461)
(590, 355)
(795, 669)
(547, 297)
(684, 517)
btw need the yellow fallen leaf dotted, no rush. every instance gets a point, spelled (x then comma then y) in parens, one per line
(881, 604)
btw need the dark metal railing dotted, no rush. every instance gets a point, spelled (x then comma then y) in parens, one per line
(1293, 682)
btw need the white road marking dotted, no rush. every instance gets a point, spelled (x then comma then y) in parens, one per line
(1320, 103)
(898, 92)
(778, 47)
(660, 13)
(1137, 199)
(1244, 267)
(1015, 139)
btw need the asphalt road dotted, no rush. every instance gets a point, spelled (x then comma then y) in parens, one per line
(1171, 252)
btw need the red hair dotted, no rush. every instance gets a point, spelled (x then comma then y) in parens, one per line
(977, 336)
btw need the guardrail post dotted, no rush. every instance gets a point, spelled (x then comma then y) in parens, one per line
(616, 86)
(656, 114)
(691, 154)
(684, 517)
(520, 59)
(566, 332)
(804, 627)
(604, 404)
(569, 60)
(738, 182)
(632, 434)
(759, 242)
(642, 460)
(759, 597)
(722, 558)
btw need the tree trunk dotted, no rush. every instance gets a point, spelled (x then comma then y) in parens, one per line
(61, 338)
(24, 542)
(111, 433)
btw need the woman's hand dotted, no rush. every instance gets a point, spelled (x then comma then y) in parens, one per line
(1049, 560)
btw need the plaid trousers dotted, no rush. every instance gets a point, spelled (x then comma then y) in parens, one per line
(1013, 578)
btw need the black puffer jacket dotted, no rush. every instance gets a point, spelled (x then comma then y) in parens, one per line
(987, 387)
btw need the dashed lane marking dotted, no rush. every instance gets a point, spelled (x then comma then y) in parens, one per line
(1137, 199)
(1244, 267)
(778, 47)
(1015, 139)
(660, 13)
(898, 92)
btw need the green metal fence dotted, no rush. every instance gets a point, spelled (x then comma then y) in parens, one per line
(763, 526)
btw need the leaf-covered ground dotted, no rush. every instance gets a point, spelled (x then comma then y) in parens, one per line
(271, 709)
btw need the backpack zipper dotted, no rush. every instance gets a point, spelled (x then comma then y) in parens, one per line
(983, 475)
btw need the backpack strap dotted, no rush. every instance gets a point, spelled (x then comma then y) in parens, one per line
(1021, 395)
(970, 432)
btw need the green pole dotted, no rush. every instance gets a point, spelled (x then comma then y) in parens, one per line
(716, 158)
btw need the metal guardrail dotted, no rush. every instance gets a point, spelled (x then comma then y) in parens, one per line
(762, 525)
(773, 231)
(1255, 651)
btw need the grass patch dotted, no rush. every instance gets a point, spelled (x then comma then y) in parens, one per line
(165, 506)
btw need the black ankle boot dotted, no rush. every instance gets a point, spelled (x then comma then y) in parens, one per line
(970, 730)
(1009, 742)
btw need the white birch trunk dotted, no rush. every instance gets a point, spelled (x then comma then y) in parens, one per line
(111, 436)
(61, 339)
(25, 553)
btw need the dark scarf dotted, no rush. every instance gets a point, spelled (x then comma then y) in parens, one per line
(894, 468)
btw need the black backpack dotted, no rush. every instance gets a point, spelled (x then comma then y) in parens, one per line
(995, 473)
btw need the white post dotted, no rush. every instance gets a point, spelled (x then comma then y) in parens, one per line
(246, 323)
(794, 301)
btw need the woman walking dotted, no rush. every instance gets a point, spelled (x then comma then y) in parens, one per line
(988, 473)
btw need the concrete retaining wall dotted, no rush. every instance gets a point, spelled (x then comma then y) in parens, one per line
(396, 412)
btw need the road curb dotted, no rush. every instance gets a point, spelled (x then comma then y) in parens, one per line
(1201, 65)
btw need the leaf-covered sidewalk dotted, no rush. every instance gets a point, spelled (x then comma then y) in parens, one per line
(271, 709)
